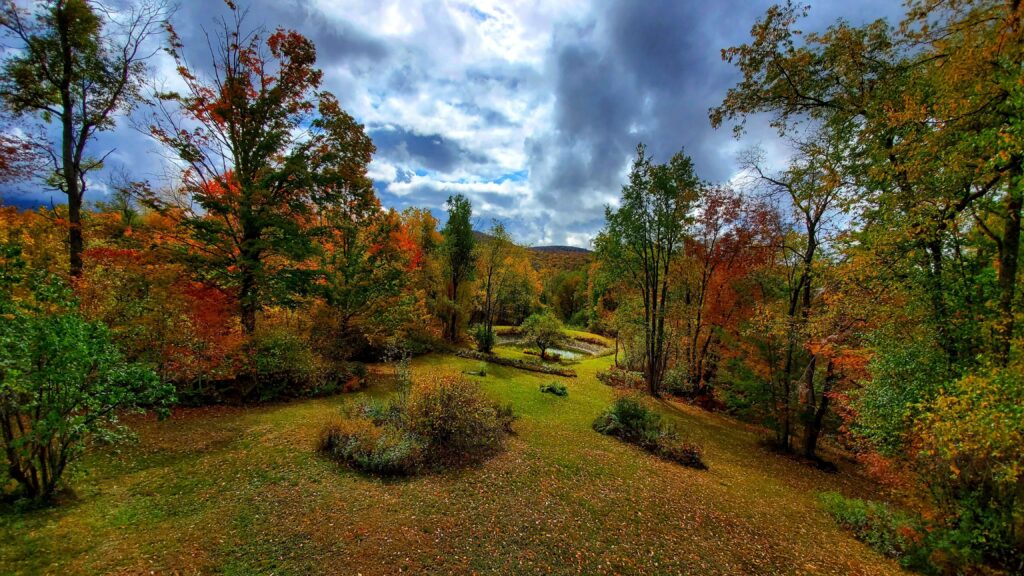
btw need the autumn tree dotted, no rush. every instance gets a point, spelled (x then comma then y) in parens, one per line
(427, 268)
(78, 66)
(265, 149)
(519, 291)
(924, 111)
(544, 330)
(492, 262)
(458, 252)
(730, 238)
(641, 239)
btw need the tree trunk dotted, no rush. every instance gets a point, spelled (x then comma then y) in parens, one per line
(812, 428)
(76, 241)
(1008, 256)
(249, 263)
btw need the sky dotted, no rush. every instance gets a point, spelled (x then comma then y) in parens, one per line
(531, 109)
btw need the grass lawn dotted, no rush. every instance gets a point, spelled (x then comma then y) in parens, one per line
(242, 491)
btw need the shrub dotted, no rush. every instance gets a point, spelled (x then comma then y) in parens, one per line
(484, 338)
(629, 419)
(970, 457)
(506, 416)
(895, 534)
(544, 330)
(556, 388)
(443, 422)
(672, 448)
(63, 380)
(620, 378)
(454, 419)
(384, 450)
(283, 365)
(676, 382)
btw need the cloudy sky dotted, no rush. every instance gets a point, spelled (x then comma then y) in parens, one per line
(531, 109)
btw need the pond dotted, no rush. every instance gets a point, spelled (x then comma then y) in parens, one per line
(567, 354)
(571, 353)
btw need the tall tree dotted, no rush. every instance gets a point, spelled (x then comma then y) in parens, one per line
(731, 238)
(79, 66)
(642, 238)
(815, 187)
(458, 249)
(493, 263)
(265, 150)
(927, 110)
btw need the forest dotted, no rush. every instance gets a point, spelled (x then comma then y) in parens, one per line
(259, 366)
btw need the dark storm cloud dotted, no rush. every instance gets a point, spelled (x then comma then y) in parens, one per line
(336, 39)
(646, 73)
(557, 108)
(422, 151)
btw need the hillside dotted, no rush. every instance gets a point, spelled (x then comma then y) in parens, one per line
(242, 491)
(559, 258)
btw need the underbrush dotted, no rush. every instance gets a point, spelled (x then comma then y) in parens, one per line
(556, 388)
(917, 544)
(621, 378)
(629, 419)
(435, 424)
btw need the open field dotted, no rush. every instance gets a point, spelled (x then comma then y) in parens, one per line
(242, 491)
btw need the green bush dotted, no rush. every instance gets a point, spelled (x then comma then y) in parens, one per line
(435, 424)
(970, 457)
(676, 383)
(556, 388)
(629, 419)
(896, 534)
(484, 338)
(62, 380)
(282, 365)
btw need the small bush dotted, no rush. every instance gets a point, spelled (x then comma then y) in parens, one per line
(484, 338)
(619, 378)
(506, 416)
(556, 388)
(676, 382)
(632, 421)
(282, 365)
(680, 452)
(895, 534)
(439, 423)
(384, 450)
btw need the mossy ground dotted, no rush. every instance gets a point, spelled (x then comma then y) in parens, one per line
(243, 491)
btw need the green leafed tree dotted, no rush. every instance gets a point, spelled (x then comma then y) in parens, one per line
(267, 154)
(458, 250)
(62, 379)
(492, 261)
(76, 66)
(543, 329)
(641, 239)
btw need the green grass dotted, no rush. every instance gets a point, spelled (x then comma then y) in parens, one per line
(242, 491)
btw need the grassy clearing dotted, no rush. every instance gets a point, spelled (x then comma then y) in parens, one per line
(242, 491)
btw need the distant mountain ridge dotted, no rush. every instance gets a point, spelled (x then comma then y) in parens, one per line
(551, 259)
(561, 249)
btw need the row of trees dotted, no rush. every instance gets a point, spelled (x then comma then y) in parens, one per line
(262, 272)
(869, 286)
